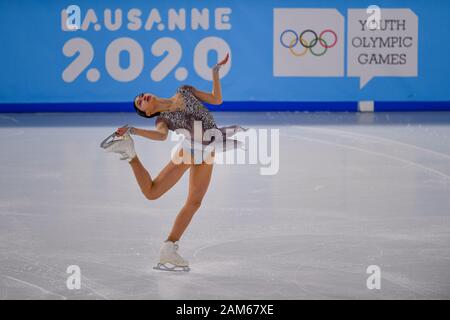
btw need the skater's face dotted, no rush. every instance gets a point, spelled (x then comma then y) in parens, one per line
(146, 103)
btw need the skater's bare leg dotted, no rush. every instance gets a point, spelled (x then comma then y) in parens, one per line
(166, 179)
(199, 179)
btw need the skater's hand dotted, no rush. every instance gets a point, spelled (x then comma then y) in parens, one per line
(217, 67)
(225, 60)
(122, 131)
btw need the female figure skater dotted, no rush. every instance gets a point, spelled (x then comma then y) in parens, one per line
(177, 112)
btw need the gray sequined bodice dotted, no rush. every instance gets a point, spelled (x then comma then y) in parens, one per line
(194, 111)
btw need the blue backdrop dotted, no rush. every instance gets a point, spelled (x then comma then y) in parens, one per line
(44, 68)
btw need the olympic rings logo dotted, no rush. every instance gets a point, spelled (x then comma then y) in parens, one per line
(307, 45)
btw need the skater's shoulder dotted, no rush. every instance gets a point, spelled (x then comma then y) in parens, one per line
(185, 89)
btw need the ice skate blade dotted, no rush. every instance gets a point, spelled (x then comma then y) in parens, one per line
(171, 268)
(109, 140)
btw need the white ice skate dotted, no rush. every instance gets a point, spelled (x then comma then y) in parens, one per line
(170, 260)
(123, 145)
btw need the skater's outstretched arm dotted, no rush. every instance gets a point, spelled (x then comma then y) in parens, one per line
(215, 97)
(160, 133)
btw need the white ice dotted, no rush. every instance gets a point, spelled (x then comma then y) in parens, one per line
(353, 190)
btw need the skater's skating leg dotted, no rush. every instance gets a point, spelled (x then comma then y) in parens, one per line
(199, 179)
(166, 179)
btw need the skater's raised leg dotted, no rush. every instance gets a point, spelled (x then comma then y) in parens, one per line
(166, 179)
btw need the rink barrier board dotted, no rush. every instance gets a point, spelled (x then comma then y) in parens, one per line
(237, 106)
(42, 64)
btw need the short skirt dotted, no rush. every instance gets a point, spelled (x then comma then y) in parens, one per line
(200, 151)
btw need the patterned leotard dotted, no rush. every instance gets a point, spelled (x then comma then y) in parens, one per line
(195, 111)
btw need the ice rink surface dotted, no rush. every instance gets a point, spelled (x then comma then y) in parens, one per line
(353, 190)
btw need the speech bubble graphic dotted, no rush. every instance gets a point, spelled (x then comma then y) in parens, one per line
(308, 42)
(390, 50)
